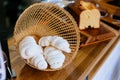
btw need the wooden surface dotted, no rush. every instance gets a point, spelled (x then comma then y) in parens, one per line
(97, 35)
(86, 59)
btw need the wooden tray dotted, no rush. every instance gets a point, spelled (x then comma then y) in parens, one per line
(110, 14)
(92, 36)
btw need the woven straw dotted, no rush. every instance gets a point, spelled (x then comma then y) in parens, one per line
(46, 19)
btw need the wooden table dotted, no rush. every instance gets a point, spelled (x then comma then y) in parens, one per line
(85, 61)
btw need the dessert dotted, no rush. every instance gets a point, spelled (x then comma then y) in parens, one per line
(54, 57)
(33, 53)
(56, 41)
(61, 44)
(48, 50)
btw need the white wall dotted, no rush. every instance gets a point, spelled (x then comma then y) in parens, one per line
(110, 70)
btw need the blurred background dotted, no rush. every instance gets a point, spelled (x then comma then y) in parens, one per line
(11, 9)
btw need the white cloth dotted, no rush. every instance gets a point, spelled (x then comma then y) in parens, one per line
(2, 66)
(110, 70)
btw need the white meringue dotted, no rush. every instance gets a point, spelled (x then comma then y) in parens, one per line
(47, 50)
(61, 44)
(56, 63)
(39, 62)
(54, 57)
(55, 41)
(28, 39)
(28, 48)
(45, 41)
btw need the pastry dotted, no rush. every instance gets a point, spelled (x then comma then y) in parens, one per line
(45, 41)
(61, 44)
(39, 62)
(54, 57)
(28, 48)
(56, 41)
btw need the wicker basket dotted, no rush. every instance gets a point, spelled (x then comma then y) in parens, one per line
(44, 19)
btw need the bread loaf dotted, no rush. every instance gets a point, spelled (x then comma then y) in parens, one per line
(89, 16)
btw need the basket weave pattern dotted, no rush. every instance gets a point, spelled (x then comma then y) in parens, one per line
(47, 19)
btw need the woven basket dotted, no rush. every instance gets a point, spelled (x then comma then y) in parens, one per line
(47, 19)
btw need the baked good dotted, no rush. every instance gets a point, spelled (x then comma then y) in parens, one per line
(54, 57)
(89, 16)
(53, 46)
(33, 53)
(45, 41)
(39, 62)
(56, 41)
(61, 44)
(28, 47)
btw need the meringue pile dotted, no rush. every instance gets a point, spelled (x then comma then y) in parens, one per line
(47, 51)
